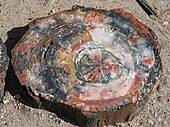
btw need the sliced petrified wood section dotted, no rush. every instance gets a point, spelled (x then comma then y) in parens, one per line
(4, 61)
(95, 66)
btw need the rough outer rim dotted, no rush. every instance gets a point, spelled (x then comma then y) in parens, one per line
(124, 110)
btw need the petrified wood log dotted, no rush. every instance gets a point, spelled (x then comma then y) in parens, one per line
(4, 60)
(95, 66)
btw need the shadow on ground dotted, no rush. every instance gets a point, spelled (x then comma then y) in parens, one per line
(12, 82)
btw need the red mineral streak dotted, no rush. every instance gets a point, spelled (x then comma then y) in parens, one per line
(143, 29)
(84, 59)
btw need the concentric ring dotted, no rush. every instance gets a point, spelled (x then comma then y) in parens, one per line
(94, 59)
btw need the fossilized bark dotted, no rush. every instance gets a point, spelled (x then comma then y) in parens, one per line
(97, 65)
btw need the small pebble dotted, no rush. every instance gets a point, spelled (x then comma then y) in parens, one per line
(2, 117)
(165, 122)
(42, 115)
(165, 23)
(50, 116)
(160, 98)
(30, 18)
(5, 101)
(52, 11)
(2, 110)
(156, 115)
(151, 122)
(17, 96)
(6, 123)
(122, 124)
(159, 119)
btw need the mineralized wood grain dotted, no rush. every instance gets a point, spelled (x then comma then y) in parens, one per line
(94, 67)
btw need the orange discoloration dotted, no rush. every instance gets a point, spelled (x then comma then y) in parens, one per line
(148, 60)
(91, 15)
(87, 66)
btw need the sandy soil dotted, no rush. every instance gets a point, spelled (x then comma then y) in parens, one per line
(18, 13)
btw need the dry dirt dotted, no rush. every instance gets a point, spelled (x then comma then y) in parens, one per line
(18, 13)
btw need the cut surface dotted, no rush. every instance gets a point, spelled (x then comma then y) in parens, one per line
(94, 60)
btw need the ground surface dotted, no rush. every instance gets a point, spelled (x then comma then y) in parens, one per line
(18, 13)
